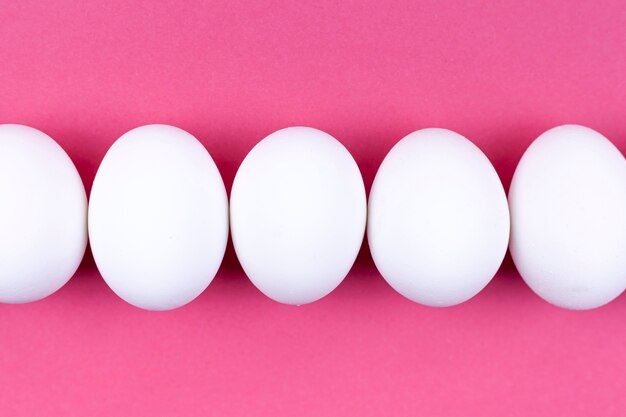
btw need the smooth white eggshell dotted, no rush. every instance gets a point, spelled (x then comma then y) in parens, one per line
(43, 215)
(158, 217)
(298, 212)
(438, 219)
(568, 217)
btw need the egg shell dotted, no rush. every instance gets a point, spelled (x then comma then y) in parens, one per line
(438, 219)
(568, 212)
(298, 212)
(43, 215)
(158, 217)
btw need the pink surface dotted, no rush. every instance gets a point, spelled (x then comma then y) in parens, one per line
(232, 72)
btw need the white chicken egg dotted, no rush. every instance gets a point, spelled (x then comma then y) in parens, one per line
(43, 215)
(568, 218)
(438, 219)
(158, 217)
(298, 211)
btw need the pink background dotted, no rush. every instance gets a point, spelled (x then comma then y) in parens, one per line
(232, 72)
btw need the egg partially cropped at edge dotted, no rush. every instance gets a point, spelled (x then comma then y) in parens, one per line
(43, 215)
(568, 213)
(298, 212)
(158, 217)
(438, 219)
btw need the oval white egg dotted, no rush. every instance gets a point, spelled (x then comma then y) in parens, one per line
(158, 217)
(438, 219)
(298, 211)
(43, 215)
(568, 218)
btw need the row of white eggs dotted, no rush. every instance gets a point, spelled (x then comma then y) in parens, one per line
(438, 220)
